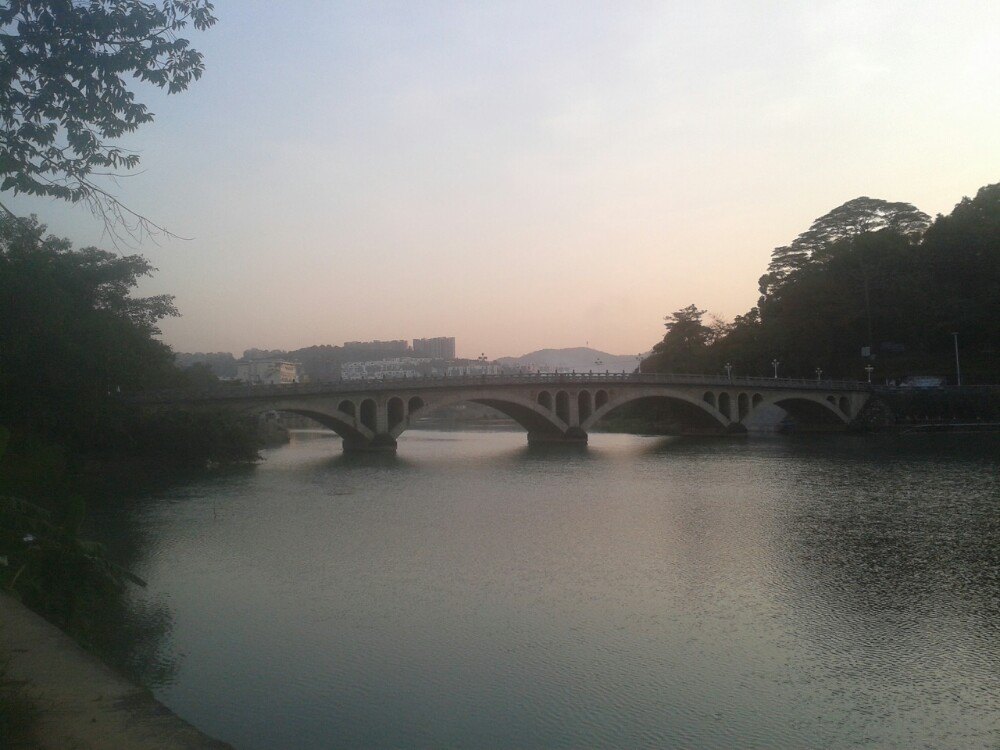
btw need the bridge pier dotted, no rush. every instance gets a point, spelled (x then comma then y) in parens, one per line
(381, 443)
(572, 436)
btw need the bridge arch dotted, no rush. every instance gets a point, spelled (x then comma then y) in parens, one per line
(530, 414)
(742, 406)
(545, 400)
(584, 404)
(845, 405)
(696, 410)
(347, 407)
(340, 422)
(369, 414)
(395, 411)
(724, 409)
(813, 409)
(562, 406)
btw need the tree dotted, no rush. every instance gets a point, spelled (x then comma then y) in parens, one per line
(684, 342)
(71, 333)
(854, 218)
(862, 216)
(64, 97)
(959, 269)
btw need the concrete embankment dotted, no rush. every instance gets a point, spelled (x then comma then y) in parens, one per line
(83, 703)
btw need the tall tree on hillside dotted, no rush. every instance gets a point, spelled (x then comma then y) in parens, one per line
(683, 344)
(959, 266)
(855, 217)
(64, 96)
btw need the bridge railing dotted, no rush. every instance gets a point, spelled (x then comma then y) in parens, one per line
(450, 381)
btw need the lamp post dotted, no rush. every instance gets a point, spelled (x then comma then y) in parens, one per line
(729, 372)
(819, 374)
(638, 364)
(958, 369)
(868, 369)
(774, 364)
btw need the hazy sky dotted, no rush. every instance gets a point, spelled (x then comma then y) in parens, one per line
(530, 174)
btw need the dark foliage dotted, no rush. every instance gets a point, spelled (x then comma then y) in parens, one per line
(72, 339)
(194, 438)
(868, 274)
(71, 336)
(64, 93)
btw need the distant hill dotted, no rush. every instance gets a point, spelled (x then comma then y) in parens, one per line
(223, 364)
(580, 358)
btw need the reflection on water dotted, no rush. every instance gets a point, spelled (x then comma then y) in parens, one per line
(638, 592)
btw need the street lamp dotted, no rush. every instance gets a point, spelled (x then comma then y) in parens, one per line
(729, 372)
(868, 369)
(819, 373)
(958, 370)
(775, 363)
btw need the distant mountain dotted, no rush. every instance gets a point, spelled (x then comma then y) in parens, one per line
(580, 359)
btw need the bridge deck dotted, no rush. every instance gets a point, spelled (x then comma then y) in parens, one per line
(577, 379)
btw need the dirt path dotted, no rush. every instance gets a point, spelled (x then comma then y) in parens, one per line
(84, 704)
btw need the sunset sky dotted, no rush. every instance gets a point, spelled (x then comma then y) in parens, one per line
(534, 174)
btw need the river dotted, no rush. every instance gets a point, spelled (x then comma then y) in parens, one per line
(468, 592)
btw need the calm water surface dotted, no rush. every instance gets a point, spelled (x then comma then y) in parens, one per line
(763, 593)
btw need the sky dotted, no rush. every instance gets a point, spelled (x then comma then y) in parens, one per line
(523, 175)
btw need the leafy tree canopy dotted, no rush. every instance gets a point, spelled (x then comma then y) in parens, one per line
(855, 217)
(873, 276)
(861, 216)
(70, 331)
(64, 95)
(685, 339)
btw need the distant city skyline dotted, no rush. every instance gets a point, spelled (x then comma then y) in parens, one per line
(449, 342)
(525, 175)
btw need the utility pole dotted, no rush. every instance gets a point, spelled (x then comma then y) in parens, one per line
(958, 369)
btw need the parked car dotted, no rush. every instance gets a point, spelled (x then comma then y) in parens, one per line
(922, 381)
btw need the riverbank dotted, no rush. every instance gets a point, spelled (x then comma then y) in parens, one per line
(82, 703)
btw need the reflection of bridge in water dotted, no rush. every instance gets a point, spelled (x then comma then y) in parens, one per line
(562, 408)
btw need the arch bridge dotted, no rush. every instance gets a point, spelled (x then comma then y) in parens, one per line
(560, 408)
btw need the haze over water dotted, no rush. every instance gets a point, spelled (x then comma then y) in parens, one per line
(643, 592)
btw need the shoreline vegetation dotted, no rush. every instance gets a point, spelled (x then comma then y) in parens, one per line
(872, 291)
(72, 337)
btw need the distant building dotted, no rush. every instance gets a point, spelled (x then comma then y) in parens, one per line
(375, 349)
(529, 368)
(442, 347)
(382, 369)
(271, 371)
(470, 367)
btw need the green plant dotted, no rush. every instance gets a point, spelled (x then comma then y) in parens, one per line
(45, 563)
